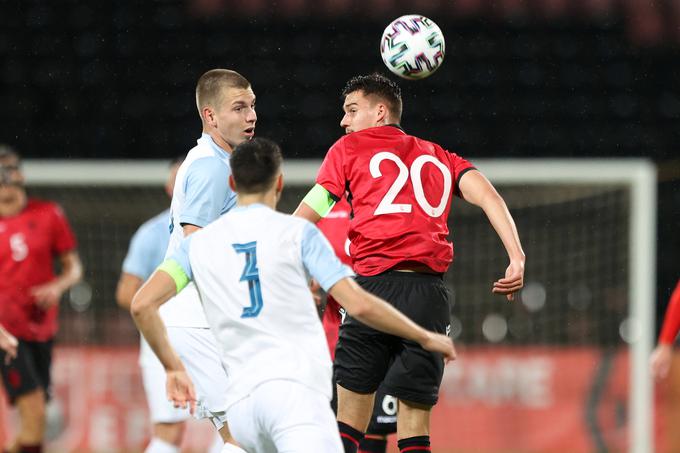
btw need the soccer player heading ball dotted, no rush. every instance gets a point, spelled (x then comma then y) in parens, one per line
(400, 189)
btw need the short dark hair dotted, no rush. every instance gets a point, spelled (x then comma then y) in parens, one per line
(255, 164)
(379, 86)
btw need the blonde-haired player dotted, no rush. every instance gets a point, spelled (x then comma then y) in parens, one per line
(251, 268)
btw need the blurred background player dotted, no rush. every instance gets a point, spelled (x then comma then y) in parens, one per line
(33, 233)
(400, 251)
(272, 346)
(662, 357)
(226, 105)
(384, 418)
(146, 252)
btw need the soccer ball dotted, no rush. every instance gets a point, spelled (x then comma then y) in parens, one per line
(412, 47)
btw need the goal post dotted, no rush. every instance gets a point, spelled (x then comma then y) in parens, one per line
(601, 214)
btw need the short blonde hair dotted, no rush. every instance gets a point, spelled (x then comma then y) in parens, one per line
(212, 84)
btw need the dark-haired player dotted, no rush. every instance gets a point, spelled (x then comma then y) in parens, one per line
(251, 270)
(384, 418)
(33, 234)
(400, 189)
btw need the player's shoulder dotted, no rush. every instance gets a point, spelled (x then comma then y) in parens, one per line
(156, 224)
(43, 206)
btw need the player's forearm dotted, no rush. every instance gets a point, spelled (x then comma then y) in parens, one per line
(126, 289)
(499, 216)
(71, 271)
(152, 328)
(375, 312)
(380, 315)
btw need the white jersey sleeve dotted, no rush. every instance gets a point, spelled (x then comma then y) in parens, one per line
(200, 196)
(320, 260)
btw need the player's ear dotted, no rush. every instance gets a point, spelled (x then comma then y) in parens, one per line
(279, 183)
(208, 116)
(279, 187)
(232, 183)
(381, 114)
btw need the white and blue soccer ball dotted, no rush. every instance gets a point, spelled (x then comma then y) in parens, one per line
(412, 47)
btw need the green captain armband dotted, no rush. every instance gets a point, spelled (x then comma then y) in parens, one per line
(320, 200)
(175, 271)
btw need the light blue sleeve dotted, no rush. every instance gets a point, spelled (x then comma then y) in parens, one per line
(181, 256)
(145, 253)
(206, 188)
(320, 259)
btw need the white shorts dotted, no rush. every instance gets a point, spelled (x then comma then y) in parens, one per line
(153, 375)
(197, 348)
(286, 417)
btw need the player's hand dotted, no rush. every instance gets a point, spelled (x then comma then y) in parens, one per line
(47, 295)
(513, 281)
(315, 288)
(180, 390)
(437, 342)
(660, 362)
(8, 344)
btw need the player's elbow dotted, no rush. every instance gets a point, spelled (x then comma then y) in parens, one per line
(140, 305)
(361, 306)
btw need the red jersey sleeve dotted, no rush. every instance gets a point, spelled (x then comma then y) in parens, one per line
(459, 167)
(671, 321)
(332, 172)
(63, 239)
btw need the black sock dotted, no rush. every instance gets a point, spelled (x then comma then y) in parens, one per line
(417, 444)
(30, 448)
(373, 445)
(350, 437)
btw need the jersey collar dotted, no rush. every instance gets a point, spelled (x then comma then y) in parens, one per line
(206, 138)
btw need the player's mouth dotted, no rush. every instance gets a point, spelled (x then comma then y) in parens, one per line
(250, 132)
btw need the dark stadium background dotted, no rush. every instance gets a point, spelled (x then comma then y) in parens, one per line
(521, 79)
(539, 78)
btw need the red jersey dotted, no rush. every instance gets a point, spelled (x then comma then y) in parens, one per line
(400, 189)
(334, 226)
(29, 242)
(671, 321)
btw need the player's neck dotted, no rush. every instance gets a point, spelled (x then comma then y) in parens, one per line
(226, 147)
(268, 199)
(9, 207)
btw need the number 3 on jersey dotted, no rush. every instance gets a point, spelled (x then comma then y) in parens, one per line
(251, 274)
(387, 205)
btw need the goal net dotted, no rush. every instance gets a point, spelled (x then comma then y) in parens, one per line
(563, 368)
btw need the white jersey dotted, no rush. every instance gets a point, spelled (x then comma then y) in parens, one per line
(201, 195)
(252, 269)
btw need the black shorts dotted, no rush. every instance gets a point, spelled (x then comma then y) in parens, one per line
(384, 417)
(30, 369)
(365, 357)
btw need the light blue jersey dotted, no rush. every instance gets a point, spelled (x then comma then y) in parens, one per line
(201, 195)
(252, 269)
(148, 246)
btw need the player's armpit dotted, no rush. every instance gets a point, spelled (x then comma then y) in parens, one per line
(188, 228)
